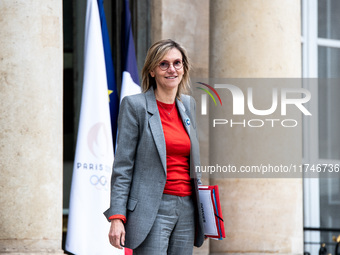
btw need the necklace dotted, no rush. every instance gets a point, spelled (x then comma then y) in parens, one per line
(173, 107)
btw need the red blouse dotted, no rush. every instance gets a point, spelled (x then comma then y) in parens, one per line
(177, 143)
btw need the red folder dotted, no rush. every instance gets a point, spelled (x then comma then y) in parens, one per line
(128, 251)
(211, 211)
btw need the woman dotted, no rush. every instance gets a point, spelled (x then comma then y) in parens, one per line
(154, 202)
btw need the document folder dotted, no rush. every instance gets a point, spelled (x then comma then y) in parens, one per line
(211, 211)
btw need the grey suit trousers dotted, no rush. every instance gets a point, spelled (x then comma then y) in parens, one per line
(173, 230)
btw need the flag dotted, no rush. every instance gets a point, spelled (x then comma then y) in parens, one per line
(90, 191)
(130, 80)
(110, 75)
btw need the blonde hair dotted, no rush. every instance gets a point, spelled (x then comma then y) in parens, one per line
(154, 56)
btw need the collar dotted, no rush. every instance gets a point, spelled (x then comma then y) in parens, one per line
(151, 104)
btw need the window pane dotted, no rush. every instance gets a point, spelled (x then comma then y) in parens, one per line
(329, 103)
(329, 209)
(329, 119)
(329, 19)
(329, 202)
(328, 62)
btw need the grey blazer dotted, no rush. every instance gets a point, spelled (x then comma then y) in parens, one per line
(139, 169)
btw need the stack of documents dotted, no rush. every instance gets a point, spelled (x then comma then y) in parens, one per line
(211, 211)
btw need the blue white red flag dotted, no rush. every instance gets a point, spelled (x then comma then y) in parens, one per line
(130, 80)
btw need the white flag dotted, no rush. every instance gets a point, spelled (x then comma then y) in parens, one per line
(88, 228)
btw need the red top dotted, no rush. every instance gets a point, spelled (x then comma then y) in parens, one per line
(177, 143)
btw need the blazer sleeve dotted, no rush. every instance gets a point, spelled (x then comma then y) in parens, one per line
(128, 135)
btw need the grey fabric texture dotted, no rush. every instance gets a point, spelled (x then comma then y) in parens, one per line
(173, 231)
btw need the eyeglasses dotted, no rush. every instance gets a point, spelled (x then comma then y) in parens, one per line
(164, 65)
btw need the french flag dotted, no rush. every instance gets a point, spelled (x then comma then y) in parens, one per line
(130, 80)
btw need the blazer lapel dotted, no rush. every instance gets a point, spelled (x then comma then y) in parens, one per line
(191, 130)
(156, 125)
(185, 118)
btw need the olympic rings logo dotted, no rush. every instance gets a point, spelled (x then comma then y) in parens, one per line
(95, 180)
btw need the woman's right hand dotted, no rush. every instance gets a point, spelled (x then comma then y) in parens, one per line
(117, 233)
